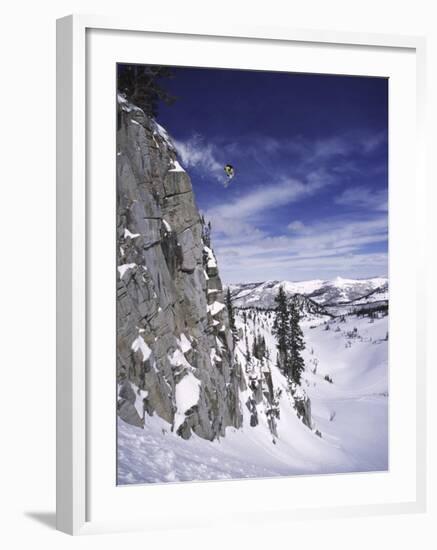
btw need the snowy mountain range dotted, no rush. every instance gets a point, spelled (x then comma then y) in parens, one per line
(335, 297)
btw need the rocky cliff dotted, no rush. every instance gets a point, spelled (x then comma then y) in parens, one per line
(175, 355)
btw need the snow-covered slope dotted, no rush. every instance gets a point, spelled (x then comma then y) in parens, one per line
(335, 292)
(346, 380)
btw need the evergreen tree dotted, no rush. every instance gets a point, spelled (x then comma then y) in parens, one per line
(206, 232)
(246, 341)
(255, 348)
(259, 347)
(289, 336)
(263, 346)
(281, 329)
(296, 341)
(141, 84)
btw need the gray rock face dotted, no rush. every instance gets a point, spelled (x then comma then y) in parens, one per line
(303, 409)
(126, 405)
(173, 337)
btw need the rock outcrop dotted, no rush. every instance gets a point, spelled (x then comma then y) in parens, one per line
(175, 351)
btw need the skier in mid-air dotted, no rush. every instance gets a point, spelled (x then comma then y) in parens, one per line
(230, 172)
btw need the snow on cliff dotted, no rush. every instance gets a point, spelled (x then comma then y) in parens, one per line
(350, 413)
(169, 320)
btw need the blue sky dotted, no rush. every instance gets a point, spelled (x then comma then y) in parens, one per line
(309, 198)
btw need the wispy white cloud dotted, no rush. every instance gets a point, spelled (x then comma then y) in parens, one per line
(347, 264)
(246, 245)
(296, 226)
(331, 147)
(265, 198)
(196, 152)
(343, 145)
(371, 142)
(323, 249)
(329, 235)
(311, 152)
(364, 197)
(307, 155)
(239, 217)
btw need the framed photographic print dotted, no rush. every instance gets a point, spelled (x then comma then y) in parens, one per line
(238, 319)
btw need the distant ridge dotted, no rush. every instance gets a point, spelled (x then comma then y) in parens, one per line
(335, 292)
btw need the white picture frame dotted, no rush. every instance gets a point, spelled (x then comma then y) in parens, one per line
(74, 458)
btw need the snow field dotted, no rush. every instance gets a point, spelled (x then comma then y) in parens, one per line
(351, 413)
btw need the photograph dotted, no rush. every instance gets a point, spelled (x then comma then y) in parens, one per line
(251, 276)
